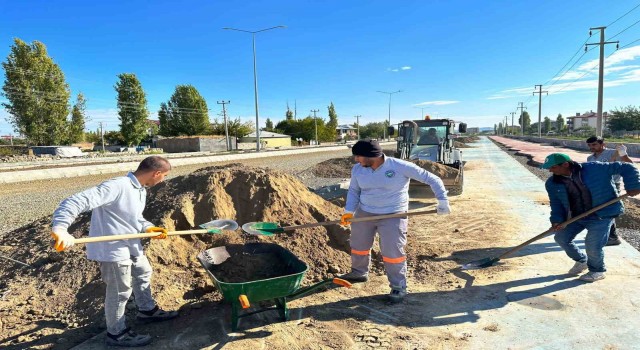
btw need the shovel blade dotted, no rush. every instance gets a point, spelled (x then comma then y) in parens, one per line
(222, 224)
(215, 256)
(480, 264)
(261, 228)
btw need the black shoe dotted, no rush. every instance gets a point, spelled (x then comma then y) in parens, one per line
(155, 315)
(613, 241)
(128, 338)
(354, 277)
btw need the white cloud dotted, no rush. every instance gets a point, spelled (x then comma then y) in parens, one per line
(398, 69)
(436, 103)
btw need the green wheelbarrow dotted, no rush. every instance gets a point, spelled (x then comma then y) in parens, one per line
(277, 290)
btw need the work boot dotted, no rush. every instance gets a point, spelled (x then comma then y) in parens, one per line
(156, 315)
(592, 276)
(614, 239)
(355, 277)
(577, 268)
(128, 338)
(397, 294)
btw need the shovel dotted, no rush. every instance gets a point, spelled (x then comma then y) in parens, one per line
(271, 228)
(486, 262)
(211, 227)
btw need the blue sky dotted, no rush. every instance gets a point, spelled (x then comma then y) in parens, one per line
(471, 61)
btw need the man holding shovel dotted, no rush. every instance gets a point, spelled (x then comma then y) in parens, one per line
(603, 154)
(380, 185)
(117, 206)
(574, 189)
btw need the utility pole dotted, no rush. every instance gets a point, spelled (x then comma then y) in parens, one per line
(358, 124)
(512, 113)
(506, 126)
(316, 122)
(539, 92)
(521, 108)
(102, 136)
(226, 126)
(600, 74)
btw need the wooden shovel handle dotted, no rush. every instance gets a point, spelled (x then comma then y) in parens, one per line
(136, 235)
(572, 220)
(368, 218)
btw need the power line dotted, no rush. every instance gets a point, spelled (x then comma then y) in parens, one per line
(574, 55)
(619, 18)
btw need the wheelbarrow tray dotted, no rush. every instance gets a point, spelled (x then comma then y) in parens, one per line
(262, 289)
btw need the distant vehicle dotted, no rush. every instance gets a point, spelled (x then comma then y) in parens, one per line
(432, 140)
(551, 133)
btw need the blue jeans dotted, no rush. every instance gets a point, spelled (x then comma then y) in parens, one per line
(597, 236)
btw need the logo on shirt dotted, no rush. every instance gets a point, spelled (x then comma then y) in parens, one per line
(389, 173)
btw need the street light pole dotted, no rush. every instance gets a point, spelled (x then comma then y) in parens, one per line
(389, 93)
(315, 119)
(255, 75)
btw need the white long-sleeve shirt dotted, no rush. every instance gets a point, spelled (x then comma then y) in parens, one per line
(117, 206)
(385, 190)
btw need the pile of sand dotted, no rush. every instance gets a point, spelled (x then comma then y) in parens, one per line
(442, 171)
(64, 290)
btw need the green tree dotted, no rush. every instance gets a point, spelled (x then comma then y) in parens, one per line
(236, 127)
(114, 138)
(78, 120)
(624, 119)
(132, 109)
(525, 120)
(495, 129)
(37, 94)
(560, 123)
(289, 114)
(186, 113)
(332, 125)
(546, 125)
(500, 128)
(268, 125)
(372, 130)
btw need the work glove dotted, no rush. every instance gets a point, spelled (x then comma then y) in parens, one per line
(443, 207)
(345, 220)
(622, 150)
(162, 235)
(63, 238)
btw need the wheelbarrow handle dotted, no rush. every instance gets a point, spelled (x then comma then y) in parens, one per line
(143, 235)
(306, 290)
(368, 218)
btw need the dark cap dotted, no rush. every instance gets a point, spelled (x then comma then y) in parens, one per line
(367, 148)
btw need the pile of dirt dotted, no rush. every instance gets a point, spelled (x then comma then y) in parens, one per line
(467, 139)
(442, 171)
(335, 167)
(64, 292)
(458, 144)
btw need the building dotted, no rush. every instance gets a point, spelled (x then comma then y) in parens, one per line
(269, 139)
(587, 119)
(473, 130)
(346, 131)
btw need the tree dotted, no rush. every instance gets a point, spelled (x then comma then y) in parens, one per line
(268, 125)
(524, 120)
(372, 130)
(236, 127)
(546, 124)
(500, 129)
(289, 114)
(132, 108)
(624, 119)
(332, 125)
(560, 123)
(37, 94)
(186, 113)
(78, 120)
(495, 129)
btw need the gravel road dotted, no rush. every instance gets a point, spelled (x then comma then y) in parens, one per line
(23, 203)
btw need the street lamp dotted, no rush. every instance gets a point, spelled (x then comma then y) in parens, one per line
(255, 75)
(390, 93)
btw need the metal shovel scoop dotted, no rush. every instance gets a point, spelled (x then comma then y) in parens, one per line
(271, 228)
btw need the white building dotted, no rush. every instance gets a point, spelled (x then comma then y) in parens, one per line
(589, 119)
